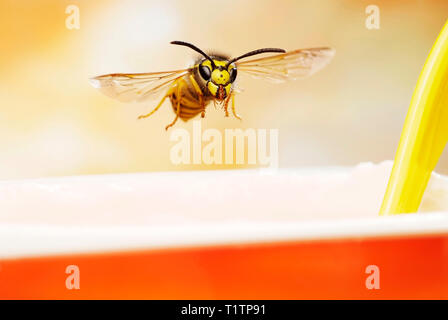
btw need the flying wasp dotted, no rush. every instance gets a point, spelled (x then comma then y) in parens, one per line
(211, 78)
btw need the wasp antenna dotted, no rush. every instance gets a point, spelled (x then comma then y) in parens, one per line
(192, 46)
(258, 51)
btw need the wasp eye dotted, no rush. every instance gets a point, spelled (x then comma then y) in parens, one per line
(233, 73)
(205, 72)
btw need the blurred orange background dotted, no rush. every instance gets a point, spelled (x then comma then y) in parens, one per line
(52, 122)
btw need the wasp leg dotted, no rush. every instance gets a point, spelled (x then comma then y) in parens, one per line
(226, 105)
(179, 97)
(199, 93)
(233, 108)
(169, 92)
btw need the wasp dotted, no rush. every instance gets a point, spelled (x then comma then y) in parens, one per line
(211, 78)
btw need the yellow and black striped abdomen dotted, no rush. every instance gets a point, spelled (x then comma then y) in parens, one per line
(190, 100)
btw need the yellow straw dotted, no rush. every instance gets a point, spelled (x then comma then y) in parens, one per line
(424, 134)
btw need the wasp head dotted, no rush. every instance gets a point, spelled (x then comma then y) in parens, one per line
(218, 76)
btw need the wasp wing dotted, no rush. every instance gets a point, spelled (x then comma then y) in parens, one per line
(128, 87)
(288, 66)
